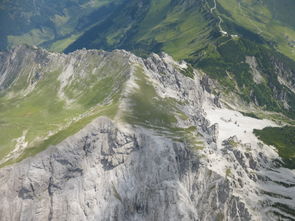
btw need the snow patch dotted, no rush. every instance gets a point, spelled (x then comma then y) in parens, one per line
(233, 123)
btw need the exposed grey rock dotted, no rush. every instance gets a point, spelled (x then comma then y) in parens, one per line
(103, 173)
(257, 76)
(207, 84)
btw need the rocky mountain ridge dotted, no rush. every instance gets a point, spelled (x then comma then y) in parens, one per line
(173, 149)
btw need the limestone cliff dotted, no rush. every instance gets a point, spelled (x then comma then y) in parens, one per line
(172, 150)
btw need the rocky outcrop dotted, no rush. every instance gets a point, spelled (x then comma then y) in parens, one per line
(257, 76)
(104, 173)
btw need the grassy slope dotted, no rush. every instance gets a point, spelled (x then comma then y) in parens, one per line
(175, 26)
(38, 115)
(53, 24)
(178, 27)
(281, 138)
(160, 114)
(43, 111)
(271, 19)
(106, 110)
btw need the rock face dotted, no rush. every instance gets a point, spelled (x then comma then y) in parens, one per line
(183, 157)
(103, 173)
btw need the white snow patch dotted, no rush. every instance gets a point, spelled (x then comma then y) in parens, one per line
(233, 123)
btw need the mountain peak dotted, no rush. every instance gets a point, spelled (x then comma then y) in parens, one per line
(148, 127)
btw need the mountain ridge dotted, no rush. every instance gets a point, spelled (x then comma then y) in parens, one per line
(186, 111)
(167, 120)
(190, 30)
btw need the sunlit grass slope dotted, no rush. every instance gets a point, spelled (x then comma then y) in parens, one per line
(45, 104)
(271, 19)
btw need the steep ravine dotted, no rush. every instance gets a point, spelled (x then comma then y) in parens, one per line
(173, 151)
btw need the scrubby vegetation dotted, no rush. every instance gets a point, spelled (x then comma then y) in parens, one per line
(250, 115)
(189, 71)
(281, 138)
(226, 63)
